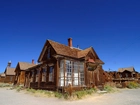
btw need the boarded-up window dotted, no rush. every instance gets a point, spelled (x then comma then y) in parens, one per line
(51, 74)
(44, 74)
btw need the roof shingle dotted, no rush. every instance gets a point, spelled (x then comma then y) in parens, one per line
(9, 71)
(25, 65)
(131, 69)
(64, 50)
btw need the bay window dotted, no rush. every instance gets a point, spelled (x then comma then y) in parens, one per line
(74, 73)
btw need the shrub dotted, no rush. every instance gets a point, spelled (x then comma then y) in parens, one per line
(5, 85)
(18, 88)
(57, 94)
(108, 88)
(83, 93)
(66, 96)
(132, 85)
(31, 90)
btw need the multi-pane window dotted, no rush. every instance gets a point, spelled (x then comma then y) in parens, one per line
(74, 73)
(81, 74)
(51, 72)
(44, 74)
(68, 72)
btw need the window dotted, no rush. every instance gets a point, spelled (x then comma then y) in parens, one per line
(48, 53)
(68, 73)
(11, 78)
(81, 74)
(126, 75)
(32, 76)
(61, 74)
(51, 71)
(74, 73)
(37, 75)
(44, 74)
(121, 75)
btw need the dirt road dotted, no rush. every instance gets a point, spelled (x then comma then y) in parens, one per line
(124, 97)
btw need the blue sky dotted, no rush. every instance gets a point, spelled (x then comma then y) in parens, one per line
(111, 27)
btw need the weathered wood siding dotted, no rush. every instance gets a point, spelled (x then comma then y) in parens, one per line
(9, 79)
(2, 79)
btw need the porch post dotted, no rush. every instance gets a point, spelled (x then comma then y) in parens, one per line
(39, 78)
(57, 73)
(28, 80)
(85, 73)
(78, 72)
(64, 70)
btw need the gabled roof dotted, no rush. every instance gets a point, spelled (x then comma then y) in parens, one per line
(35, 66)
(64, 50)
(2, 75)
(9, 71)
(25, 65)
(83, 53)
(130, 69)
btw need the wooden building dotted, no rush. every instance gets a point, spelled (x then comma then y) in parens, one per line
(126, 74)
(62, 65)
(2, 77)
(20, 72)
(9, 75)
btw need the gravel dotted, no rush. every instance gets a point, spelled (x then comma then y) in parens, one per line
(124, 97)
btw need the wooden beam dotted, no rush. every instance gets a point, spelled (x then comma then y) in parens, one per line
(85, 71)
(39, 77)
(57, 73)
(64, 68)
(78, 72)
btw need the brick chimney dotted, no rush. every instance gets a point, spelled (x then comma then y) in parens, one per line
(32, 61)
(70, 42)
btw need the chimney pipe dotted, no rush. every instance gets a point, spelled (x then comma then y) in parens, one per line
(9, 64)
(32, 61)
(70, 42)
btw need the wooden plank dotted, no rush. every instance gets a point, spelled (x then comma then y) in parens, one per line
(64, 71)
(85, 73)
(78, 72)
(39, 77)
(57, 73)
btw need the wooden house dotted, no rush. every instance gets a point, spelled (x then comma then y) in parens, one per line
(2, 77)
(126, 74)
(9, 75)
(20, 72)
(113, 74)
(62, 65)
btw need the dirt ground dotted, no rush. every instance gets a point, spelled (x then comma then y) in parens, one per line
(124, 97)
